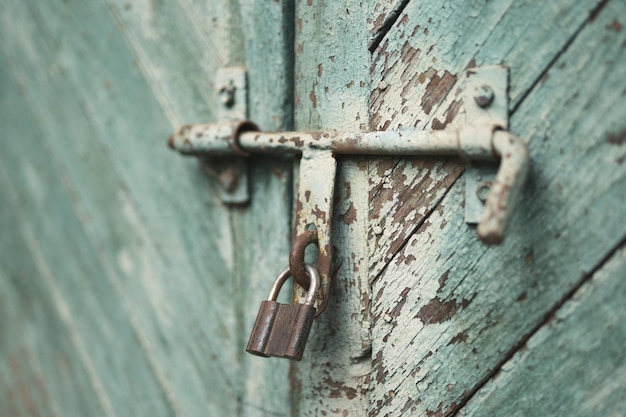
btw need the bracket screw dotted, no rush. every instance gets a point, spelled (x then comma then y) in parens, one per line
(483, 96)
(482, 191)
(227, 95)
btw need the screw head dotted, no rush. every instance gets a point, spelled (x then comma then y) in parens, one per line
(227, 95)
(484, 96)
(482, 191)
(229, 181)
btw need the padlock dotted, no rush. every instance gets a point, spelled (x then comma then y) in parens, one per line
(281, 330)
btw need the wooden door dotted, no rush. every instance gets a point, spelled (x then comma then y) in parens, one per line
(425, 320)
(128, 288)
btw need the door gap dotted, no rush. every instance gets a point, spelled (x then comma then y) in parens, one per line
(391, 19)
(558, 55)
(415, 230)
(586, 278)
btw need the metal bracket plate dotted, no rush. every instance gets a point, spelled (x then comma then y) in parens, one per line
(231, 89)
(486, 101)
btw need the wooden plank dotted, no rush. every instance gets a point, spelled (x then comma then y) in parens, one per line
(124, 244)
(415, 76)
(575, 364)
(40, 373)
(149, 214)
(73, 283)
(446, 322)
(262, 230)
(332, 88)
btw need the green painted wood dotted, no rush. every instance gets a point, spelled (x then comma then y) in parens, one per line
(575, 364)
(146, 262)
(332, 93)
(448, 311)
(51, 231)
(420, 64)
(129, 289)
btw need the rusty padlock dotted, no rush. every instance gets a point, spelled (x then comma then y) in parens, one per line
(281, 330)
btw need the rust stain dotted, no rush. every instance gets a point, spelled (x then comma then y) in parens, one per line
(319, 213)
(350, 84)
(313, 97)
(297, 141)
(339, 389)
(320, 70)
(529, 256)
(299, 25)
(349, 216)
(522, 297)
(278, 173)
(615, 26)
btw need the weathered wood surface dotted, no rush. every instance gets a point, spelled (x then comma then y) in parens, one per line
(122, 280)
(448, 311)
(332, 91)
(122, 269)
(415, 76)
(575, 364)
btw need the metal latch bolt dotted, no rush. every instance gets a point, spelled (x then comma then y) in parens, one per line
(483, 137)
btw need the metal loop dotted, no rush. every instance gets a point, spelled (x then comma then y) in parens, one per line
(312, 274)
(296, 257)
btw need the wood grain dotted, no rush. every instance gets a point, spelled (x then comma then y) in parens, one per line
(448, 311)
(143, 255)
(575, 364)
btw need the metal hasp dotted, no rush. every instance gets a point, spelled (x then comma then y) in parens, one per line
(230, 169)
(482, 138)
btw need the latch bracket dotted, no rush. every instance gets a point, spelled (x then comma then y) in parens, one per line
(483, 137)
(486, 101)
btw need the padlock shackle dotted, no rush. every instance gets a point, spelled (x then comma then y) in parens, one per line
(314, 284)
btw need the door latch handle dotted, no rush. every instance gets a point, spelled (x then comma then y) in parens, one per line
(483, 137)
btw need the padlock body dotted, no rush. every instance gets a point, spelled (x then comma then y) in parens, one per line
(281, 330)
